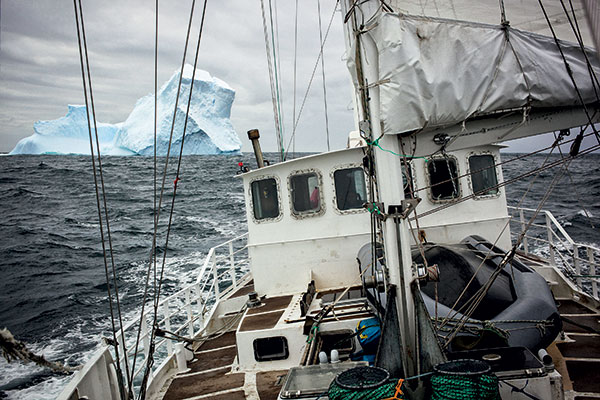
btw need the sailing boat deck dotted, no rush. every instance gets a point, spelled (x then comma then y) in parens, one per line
(580, 352)
(212, 375)
(216, 372)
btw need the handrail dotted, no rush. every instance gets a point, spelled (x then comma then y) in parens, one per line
(558, 248)
(184, 311)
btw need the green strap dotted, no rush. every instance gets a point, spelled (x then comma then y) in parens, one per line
(376, 143)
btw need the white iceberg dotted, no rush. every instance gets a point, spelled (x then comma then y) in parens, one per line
(209, 129)
(66, 135)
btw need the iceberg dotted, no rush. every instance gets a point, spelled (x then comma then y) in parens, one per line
(209, 129)
(66, 135)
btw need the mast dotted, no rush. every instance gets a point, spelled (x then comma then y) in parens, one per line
(388, 172)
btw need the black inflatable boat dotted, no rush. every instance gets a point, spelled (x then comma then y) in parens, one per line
(517, 310)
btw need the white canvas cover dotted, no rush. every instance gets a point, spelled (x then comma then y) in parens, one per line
(437, 72)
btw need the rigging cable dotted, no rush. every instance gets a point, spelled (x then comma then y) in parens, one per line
(323, 72)
(499, 185)
(295, 74)
(583, 207)
(575, 28)
(489, 253)
(81, 38)
(480, 294)
(295, 125)
(569, 71)
(164, 177)
(276, 55)
(517, 158)
(155, 125)
(272, 78)
(164, 260)
(502, 12)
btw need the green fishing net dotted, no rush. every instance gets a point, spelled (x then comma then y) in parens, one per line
(364, 383)
(464, 379)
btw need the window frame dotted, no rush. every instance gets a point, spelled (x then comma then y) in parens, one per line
(470, 180)
(429, 183)
(332, 176)
(273, 357)
(311, 213)
(251, 197)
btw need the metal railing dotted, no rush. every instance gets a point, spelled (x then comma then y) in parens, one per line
(546, 238)
(184, 312)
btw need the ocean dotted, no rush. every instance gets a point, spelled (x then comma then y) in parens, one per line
(52, 285)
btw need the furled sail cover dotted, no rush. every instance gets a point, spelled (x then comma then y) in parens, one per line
(438, 72)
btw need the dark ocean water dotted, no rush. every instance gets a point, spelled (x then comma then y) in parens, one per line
(52, 283)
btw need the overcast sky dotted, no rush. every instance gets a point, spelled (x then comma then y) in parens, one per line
(40, 75)
(39, 63)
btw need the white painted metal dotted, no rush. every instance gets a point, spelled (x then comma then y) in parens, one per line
(576, 259)
(187, 306)
(322, 246)
(95, 379)
(180, 355)
(485, 216)
(590, 255)
(388, 168)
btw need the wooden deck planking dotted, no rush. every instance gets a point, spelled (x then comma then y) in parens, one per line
(187, 386)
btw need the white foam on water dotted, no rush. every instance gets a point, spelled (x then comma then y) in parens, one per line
(56, 349)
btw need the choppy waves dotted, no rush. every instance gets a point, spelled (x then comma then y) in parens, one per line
(53, 288)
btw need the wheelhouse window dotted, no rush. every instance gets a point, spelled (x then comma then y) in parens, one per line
(483, 175)
(350, 188)
(264, 199)
(443, 177)
(305, 193)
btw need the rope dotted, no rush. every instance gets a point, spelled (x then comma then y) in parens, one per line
(517, 158)
(507, 259)
(580, 325)
(489, 253)
(155, 323)
(164, 177)
(323, 72)
(510, 181)
(502, 12)
(154, 213)
(569, 71)
(575, 27)
(189, 340)
(295, 126)
(376, 143)
(583, 207)
(81, 38)
(295, 74)
(272, 77)
(516, 389)
(13, 349)
(277, 70)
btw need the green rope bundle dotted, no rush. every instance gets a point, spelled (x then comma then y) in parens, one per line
(363, 383)
(464, 379)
